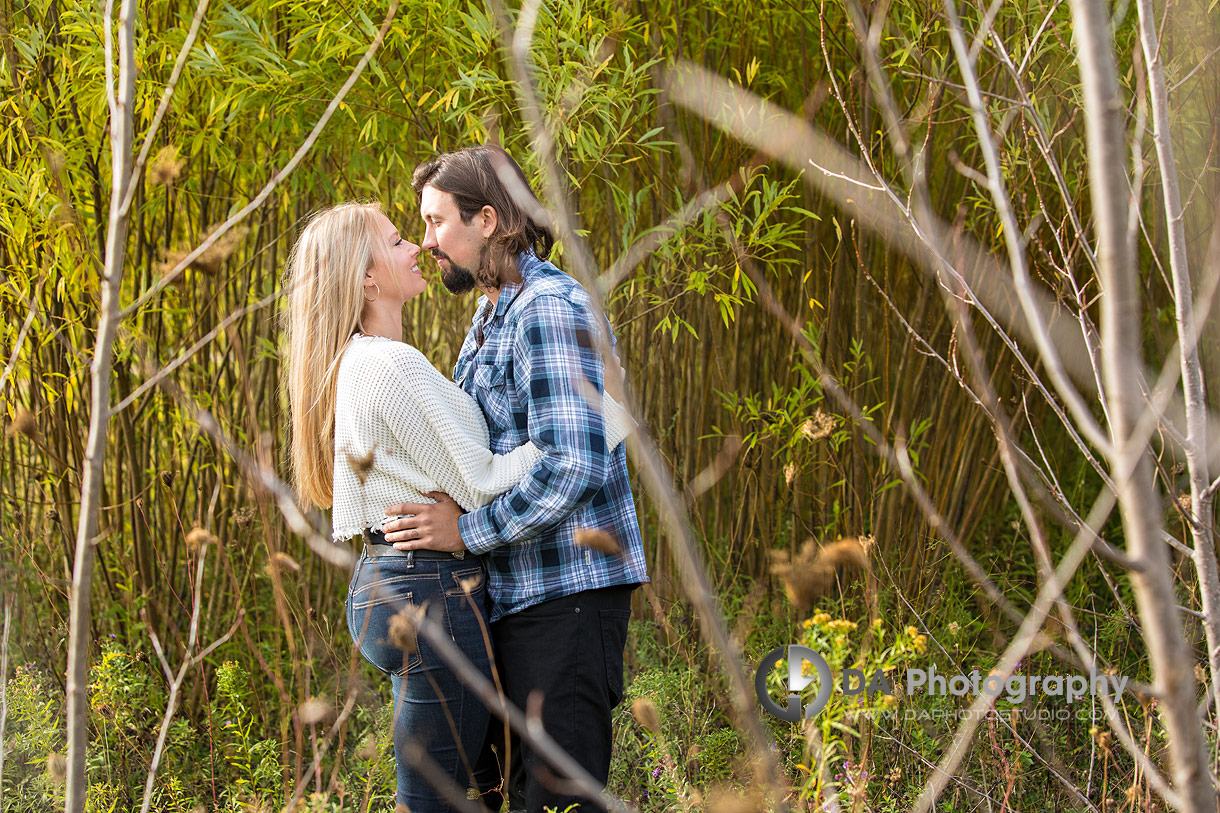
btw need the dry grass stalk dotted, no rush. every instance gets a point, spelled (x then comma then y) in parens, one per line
(282, 561)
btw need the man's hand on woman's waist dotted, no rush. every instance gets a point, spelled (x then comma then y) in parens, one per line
(430, 526)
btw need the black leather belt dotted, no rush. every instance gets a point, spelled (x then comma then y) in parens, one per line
(385, 548)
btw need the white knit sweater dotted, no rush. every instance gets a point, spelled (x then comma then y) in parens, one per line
(425, 432)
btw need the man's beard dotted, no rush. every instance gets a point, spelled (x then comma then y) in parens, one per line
(458, 279)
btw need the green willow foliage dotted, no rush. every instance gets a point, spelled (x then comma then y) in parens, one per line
(705, 359)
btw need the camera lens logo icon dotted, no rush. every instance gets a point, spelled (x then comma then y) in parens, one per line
(797, 655)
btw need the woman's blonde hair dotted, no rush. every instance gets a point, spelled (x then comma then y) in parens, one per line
(325, 288)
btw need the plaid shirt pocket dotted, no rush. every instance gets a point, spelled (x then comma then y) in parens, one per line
(492, 396)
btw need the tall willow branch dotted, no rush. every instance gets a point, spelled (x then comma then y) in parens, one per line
(1138, 502)
(1202, 537)
(121, 127)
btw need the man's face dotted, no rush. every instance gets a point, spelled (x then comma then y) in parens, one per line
(460, 249)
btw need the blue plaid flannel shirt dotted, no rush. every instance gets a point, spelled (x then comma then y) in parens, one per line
(538, 342)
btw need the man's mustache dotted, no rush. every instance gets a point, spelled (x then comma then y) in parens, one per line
(440, 255)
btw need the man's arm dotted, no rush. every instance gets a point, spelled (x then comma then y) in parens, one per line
(554, 352)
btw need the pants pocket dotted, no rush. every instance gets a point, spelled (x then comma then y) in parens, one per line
(614, 639)
(369, 624)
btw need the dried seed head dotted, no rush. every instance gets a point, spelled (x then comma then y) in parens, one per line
(314, 710)
(57, 767)
(727, 800)
(167, 477)
(599, 540)
(1101, 737)
(789, 473)
(367, 749)
(361, 465)
(818, 427)
(470, 585)
(167, 266)
(165, 166)
(56, 161)
(242, 516)
(1200, 674)
(646, 714)
(198, 537)
(404, 628)
(282, 561)
(213, 257)
(52, 515)
(24, 423)
(812, 572)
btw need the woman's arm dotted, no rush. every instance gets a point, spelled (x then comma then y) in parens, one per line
(443, 431)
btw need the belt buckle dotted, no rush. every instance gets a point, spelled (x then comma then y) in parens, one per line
(459, 554)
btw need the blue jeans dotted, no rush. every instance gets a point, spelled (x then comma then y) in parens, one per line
(431, 704)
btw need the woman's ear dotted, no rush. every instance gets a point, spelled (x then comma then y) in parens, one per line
(490, 221)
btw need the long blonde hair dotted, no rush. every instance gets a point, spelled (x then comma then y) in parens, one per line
(325, 288)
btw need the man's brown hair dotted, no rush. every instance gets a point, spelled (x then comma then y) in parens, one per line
(473, 176)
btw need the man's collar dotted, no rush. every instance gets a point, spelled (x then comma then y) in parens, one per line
(527, 265)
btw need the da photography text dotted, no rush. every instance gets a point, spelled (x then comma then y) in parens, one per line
(856, 681)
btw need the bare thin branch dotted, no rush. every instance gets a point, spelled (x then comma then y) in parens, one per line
(200, 9)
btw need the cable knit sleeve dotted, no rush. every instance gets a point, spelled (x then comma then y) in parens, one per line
(443, 431)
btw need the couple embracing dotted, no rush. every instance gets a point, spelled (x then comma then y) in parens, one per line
(465, 496)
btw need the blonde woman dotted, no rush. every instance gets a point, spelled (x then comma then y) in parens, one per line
(375, 424)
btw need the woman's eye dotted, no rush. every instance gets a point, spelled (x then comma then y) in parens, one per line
(398, 242)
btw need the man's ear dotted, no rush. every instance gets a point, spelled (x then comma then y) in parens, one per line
(490, 221)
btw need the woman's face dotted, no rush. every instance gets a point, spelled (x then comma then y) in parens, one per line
(395, 268)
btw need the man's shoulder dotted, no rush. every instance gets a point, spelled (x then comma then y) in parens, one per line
(547, 288)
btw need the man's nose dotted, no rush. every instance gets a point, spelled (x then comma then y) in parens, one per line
(429, 242)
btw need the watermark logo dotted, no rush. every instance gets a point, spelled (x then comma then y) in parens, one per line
(854, 682)
(797, 680)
